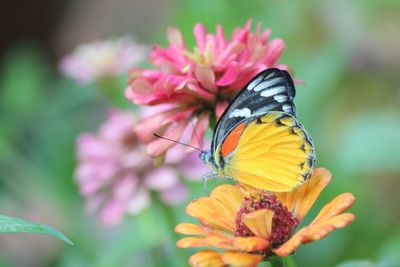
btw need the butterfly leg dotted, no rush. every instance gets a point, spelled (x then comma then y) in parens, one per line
(206, 177)
(230, 179)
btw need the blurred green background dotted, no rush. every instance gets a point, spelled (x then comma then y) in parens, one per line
(346, 52)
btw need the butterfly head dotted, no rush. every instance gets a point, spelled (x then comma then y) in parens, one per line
(207, 158)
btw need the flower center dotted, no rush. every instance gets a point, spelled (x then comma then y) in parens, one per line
(283, 223)
(200, 57)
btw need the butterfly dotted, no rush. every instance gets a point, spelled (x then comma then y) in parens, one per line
(258, 140)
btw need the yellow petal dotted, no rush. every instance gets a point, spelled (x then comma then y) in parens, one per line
(259, 222)
(238, 259)
(335, 207)
(190, 229)
(292, 244)
(206, 258)
(300, 200)
(230, 196)
(250, 244)
(321, 230)
(210, 211)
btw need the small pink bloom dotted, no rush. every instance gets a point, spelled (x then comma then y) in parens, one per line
(116, 175)
(197, 85)
(92, 61)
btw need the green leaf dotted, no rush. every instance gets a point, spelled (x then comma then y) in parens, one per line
(15, 225)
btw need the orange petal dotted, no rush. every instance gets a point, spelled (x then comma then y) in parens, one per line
(210, 211)
(250, 244)
(300, 200)
(218, 241)
(292, 244)
(206, 258)
(237, 259)
(314, 233)
(209, 241)
(190, 242)
(190, 229)
(335, 207)
(259, 222)
(321, 230)
(229, 196)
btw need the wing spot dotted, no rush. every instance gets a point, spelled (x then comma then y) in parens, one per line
(286, 108)
(254, 83)
(301, 165)
(279, 123)
(280, 98)
(272, 91)
(303, 147)
(244, 112)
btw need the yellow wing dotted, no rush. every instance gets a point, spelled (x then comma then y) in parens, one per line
(273, 153)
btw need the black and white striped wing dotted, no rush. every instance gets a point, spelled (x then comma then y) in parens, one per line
(271, 90)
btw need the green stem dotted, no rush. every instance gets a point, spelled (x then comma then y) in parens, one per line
(277, 262)
(282, 262)
(178, 257)
(111, 88)
(213, 122)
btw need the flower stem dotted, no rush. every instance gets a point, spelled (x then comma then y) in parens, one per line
(282, 262)
(213, 122)
(178, 258)
(112, 90)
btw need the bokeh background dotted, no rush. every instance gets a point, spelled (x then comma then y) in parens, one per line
(346, 52)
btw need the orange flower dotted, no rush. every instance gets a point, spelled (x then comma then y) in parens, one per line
(247, 225)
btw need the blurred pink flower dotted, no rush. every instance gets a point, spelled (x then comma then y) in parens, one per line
(92, 61)
(198, 85)
(116, 176)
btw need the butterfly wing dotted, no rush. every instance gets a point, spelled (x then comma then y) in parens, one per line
(271, 151)
(270, 90)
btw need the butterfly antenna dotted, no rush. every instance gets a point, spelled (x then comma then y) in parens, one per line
(165, 138)
(195, 133)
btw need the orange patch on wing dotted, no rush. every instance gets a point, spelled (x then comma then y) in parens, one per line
(232, 140)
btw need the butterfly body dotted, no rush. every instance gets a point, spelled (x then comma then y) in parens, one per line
(258, 140)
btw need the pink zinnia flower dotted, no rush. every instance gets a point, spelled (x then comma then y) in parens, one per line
(96, 60)
(198, 85)
(116, 176)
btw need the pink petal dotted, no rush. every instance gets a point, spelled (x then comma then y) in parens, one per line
(230, 75)
(125, 186)
(175, 195)
(233, 48)
(200, 130)
(175, 37)
(161, 178)
(175, 154)
(200, 36)
(139, 201)
(220, 38)
(94, 203)
(205, 75)
(155, 123)
(220, 108)
(275, 50)
(141, 92)
(159, 146)
(113, 213)
(265, 35)
(193, 168)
